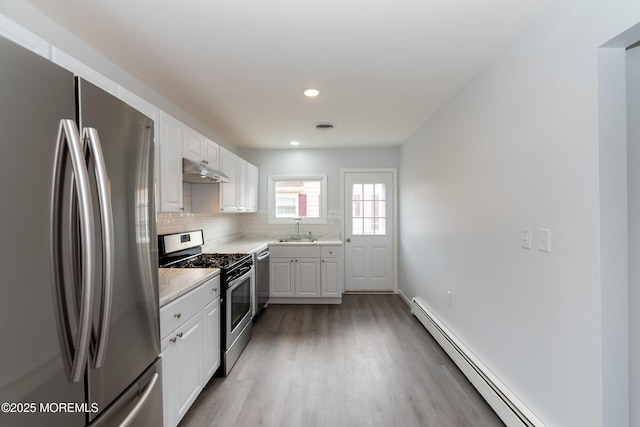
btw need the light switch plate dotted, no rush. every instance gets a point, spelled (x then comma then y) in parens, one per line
(525, 238)
(544, 240)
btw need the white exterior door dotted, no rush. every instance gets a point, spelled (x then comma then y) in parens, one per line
(369, 231)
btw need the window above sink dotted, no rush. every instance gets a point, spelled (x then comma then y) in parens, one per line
(297, 196)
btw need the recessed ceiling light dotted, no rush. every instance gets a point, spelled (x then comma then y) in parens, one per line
(294, 143)
(311, 93)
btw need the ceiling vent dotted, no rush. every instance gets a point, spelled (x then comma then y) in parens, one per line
(324, 126)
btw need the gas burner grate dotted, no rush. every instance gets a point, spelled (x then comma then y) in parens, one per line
(211, 261)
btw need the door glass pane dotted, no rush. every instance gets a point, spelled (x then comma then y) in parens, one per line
(356, 212)
(368, 191)
(357, 192)
(368, 209)
(357, 226)
(369, 228)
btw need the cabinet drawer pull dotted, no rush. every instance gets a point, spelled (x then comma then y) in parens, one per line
(214, 290)
(177, 315)
(179, 334)
(173, 339)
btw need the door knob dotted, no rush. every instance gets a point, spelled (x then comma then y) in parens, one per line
(348, 239)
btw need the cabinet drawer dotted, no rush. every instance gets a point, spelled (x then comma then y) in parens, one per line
(331, 251)
(179, 311)
(294, 251)
(211, 290)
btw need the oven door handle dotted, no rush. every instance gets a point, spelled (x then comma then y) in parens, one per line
(236, 282)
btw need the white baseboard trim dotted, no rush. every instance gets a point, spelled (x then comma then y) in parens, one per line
(509, 408)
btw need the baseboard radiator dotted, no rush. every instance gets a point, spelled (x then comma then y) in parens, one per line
(508, 407)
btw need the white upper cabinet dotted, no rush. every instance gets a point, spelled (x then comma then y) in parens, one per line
(242, 182)
(229, 163)
(240, 194)
(170, 164)
(212, 153)
(247, 186)
(200, 149)
(251, 188)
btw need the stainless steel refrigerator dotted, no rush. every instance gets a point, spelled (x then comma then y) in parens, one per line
(78, 253)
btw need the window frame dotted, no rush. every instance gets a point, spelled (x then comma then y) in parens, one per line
(271, 205)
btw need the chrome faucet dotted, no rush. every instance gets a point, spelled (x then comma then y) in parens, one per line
(297, 236)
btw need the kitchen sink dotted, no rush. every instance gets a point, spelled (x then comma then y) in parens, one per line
(298, 241)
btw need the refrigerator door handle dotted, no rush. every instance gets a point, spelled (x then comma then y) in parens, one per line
(141, 403)
(92, 139)
(75, 353)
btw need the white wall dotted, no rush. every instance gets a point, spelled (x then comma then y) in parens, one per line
(318, 161)
(30, 18)
(518, 147)
(633, 85)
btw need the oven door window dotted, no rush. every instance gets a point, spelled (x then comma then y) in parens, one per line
(240, 302)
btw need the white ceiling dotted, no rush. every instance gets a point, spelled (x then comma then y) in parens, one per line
(240, 66)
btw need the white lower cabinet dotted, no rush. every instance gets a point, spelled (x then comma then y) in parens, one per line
(211, 322)
(190, 330)
(331, 271)
(305, 271)
(307, 277)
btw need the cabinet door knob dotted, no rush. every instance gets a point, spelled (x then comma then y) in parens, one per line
(214, 290)
(348, 239)
(177, 315)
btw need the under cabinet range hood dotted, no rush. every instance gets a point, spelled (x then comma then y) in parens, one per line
(198, 173)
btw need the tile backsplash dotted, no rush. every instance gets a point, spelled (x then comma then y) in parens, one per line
(257, 224)
(222, 228)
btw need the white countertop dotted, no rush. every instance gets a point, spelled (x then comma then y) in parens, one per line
(322, 241)
(252, 245)
(249, 245)
(175, 282)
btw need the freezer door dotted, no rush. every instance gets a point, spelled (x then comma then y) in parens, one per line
(126, 139)
(35, 95)
(140, 405)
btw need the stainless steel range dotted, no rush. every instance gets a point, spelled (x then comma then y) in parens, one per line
(184, 250)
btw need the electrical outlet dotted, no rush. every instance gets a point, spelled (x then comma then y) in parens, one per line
(449, 297)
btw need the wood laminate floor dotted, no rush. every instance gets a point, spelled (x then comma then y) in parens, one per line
(365, 362)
